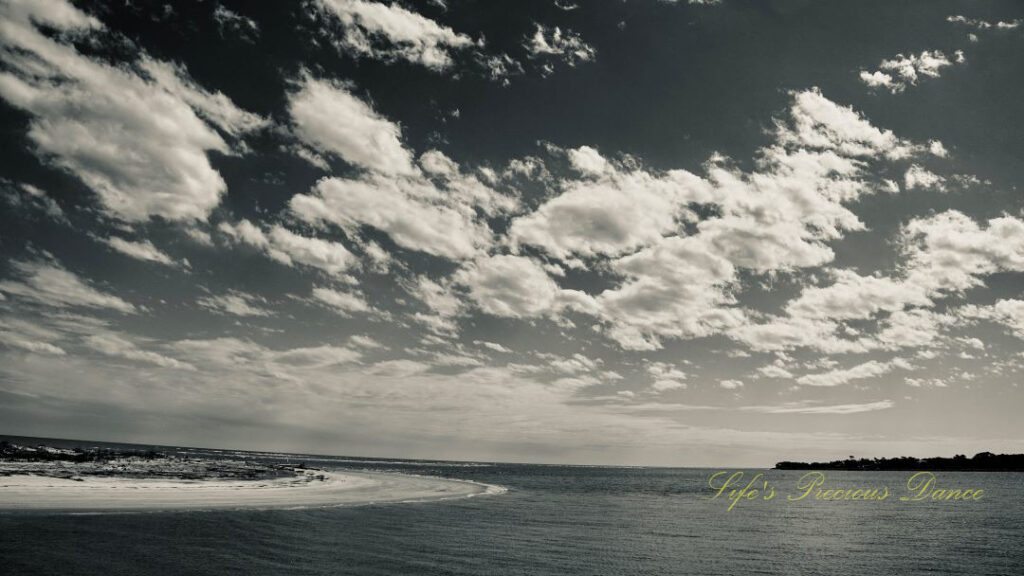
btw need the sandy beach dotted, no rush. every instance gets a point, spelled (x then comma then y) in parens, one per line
(307, 490)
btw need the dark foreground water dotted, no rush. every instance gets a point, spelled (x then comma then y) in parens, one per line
(556, 520)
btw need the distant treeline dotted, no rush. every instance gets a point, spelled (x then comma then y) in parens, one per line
(981, 461)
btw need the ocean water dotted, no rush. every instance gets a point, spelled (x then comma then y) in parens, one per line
(554, 520)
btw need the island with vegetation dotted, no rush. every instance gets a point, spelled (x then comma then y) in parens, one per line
(76, 463)
(50, 479)
(981, 462)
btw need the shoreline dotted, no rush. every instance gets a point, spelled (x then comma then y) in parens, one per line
(23, 493)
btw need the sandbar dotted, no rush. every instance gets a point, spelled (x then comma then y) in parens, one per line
(308, 489)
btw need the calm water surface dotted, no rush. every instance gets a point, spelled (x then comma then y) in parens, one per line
(556, 520)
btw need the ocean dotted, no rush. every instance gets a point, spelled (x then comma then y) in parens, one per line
(554, 520)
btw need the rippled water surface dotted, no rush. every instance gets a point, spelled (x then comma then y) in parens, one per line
(555, 520)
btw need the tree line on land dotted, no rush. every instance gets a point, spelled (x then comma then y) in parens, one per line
(983, 461)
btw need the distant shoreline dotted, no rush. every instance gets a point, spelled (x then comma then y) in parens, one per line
(981, 462)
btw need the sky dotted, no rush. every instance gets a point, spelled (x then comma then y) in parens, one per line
(640, 233)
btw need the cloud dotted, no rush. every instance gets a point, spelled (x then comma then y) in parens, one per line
(774, 371)
(235, 303)
(361, 341)
(878, 79)
(784, 333)
(327, 117)
(221, 351)
(399, 368)
(896, 73)
(412, 212)
(917, 177)
(852, 296)
(141, 250)
(12, 339)
(244, 358)
(807, 408)
(925, 382)
(678, 242)
(439, 215)
(576, 364)
(869, 369)
(390, 32)
(492, 346)
(665, 385)
(47, 282)
(117, 347)
(666, 377)
(513, 287)
(436, 210)
(201, 237)
(500, 68)
(331, 257)
(342, 303)
(983, 24)
(672, 290)
(730, 384)
(137, 134)
(777, 218)
(290, 249)
(942, 255)
(317, 356)
(937, 149)
(28, 197)
(47, 335)
(438, 297)
(819, 123)
(1009, 312)
(615, 212)
(235, 24)
(566, 45)
(948, 252)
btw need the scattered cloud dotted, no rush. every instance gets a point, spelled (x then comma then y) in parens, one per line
(235, 303)
(46, 282)
(493, 346)
(869, 369)
(565, 45)
(984, 24)
(365, 139)
(140, 250)
(917, 177)
(233, 24)
(28, 197)
(390, 32)
(118, 347)
(1008, 312)
(288, 248)
(808, 408)
(514, 287)
(366, 342)
(438, 209)
(137, 135)
(612, 212)
(342, 303)
(897, 73)
(666, 377)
